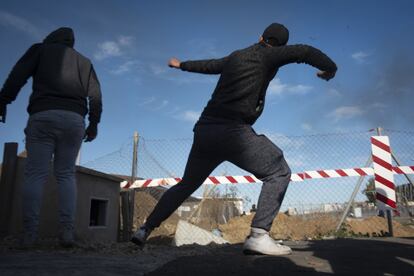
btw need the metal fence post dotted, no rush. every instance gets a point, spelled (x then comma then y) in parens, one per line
(351, 200)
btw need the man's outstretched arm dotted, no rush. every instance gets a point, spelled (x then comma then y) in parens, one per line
(17, 78)
(280, 56)
(19, 75)
(208, 66)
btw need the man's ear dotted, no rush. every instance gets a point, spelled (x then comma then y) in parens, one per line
(261, 39)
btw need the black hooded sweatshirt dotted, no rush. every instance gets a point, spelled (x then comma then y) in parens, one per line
(63, 79)
(245, 75)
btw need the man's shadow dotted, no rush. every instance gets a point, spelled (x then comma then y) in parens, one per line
(322, 257)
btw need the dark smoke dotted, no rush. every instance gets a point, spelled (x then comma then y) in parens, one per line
(388, 98)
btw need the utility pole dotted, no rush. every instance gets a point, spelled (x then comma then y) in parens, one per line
(135, 158)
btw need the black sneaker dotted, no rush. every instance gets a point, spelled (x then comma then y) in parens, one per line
(140, 236)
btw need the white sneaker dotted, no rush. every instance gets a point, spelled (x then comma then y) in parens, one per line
(264, 244)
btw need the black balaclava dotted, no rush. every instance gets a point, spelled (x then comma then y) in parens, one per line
(276, 34)
(62, 35)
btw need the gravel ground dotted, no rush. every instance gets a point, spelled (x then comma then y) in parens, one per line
(374, 256)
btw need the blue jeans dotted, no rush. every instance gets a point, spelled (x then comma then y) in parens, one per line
(240, 145)
(51, 134)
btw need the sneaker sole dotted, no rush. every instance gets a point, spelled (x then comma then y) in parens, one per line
(137, 242)
(252, 252)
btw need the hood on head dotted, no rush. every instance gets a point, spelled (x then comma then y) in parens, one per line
(62, 35)
(276, 34)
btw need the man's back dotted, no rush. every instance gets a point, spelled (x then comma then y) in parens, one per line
(63, 79)
(246, 74)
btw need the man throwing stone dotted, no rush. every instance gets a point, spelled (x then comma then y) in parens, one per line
(224, 131)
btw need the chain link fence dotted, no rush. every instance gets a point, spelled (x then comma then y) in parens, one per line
(311, 209)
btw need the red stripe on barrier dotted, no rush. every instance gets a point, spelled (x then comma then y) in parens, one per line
(323, 174)
(397, 170)
(146, 183)
(177, 179)
(386, 200)
(382, 163)
(381, 145)
(231, 179)
(384, 181)
(360, 171)
(341, 173)
(302, 176)
(305, 175)
(129, 184)
(249, 179)
(214, 180)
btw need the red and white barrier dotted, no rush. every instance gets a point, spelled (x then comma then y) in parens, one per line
(296, 177)
(384, 175)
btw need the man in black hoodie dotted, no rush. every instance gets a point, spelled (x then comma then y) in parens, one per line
(224, 132)
(65, 89)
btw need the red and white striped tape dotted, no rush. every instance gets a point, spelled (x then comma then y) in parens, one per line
(384, 175)
(296, 177)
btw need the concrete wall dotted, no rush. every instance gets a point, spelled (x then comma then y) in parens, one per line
(90, 184)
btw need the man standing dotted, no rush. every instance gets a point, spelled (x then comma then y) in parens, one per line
(65, 88)
(224, 132)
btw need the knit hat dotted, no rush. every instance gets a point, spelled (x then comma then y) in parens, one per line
(276, 34)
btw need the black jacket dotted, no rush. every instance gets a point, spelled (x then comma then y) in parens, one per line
(62, 78)
(246, 74)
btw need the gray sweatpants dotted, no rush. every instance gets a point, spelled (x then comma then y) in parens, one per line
(57, 134)
(240, 145)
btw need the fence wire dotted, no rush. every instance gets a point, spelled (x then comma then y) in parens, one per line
(311, 209)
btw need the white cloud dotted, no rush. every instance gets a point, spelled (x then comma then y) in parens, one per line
(21, 24)
(346, 112)
(360, 57)
(284, 141)
(276, 87)
(115, 48)
(107, 49)
(378, 105)
(147, 101)
(334, 92)
(306, 127)
(125, 67)
(160, 105)
(189, 116)
(158, 69)
(125, 40)
(203, 47)
(153, 104)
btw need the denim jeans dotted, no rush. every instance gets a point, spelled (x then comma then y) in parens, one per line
(51, 134)
(240, 145)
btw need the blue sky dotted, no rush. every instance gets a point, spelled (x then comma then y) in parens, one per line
(130, 42)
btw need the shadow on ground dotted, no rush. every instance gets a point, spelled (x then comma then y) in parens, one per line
(388, 256)
(379, 256)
